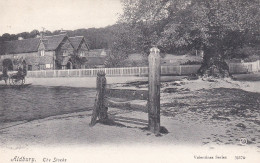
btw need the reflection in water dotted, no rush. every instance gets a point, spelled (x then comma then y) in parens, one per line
(40, 102)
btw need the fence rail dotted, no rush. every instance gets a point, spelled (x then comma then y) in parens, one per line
(234, 68)
(124, 71)
(246, 67)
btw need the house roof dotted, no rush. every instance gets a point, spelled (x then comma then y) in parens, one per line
(96, 53)
(20, 46)
(34, 59)
(31, 45)
(75, 41)
(53, 42)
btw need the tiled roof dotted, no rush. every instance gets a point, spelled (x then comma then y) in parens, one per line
(95, 52)
(36, 59)
(31, 45)
(53, 42)
(20, 46)
(75, 41)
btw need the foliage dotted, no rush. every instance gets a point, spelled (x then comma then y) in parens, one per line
(189, 62)
(97, 38)
(123, 43)
(25, 35)
(8, 37)
(77, 61)
(191, 22)
(215, 26)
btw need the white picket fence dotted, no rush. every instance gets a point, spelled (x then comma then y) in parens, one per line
(234, 68)
(124, 71)
(246, 67)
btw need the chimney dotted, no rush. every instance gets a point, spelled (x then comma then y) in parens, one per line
(63, 31)
(41, 35)
(20, 38)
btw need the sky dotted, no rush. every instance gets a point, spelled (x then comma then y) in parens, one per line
(18, 16)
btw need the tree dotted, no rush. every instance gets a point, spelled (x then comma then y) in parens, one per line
(78, 61)
(119, 48)
(34, 33)
(24, 35)
(97, 38)
(7, 37)
(193, 24)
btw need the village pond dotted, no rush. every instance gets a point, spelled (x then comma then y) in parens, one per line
(37, 102)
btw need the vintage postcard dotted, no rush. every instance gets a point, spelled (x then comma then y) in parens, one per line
(129, 81)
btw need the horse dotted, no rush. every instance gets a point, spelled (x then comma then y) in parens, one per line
(19, 77)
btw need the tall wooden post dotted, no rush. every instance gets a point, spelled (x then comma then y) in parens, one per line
(101, 86)
(154, 91)
(100, 110)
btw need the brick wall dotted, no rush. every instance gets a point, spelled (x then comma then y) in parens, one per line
(33, 60)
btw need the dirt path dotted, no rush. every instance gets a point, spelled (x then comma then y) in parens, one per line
(203, 119)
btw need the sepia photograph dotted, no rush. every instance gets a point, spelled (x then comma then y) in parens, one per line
(85, 81)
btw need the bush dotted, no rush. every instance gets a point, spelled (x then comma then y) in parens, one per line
(191, 63)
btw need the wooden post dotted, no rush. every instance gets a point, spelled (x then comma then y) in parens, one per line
(154, 91)
(100, 110)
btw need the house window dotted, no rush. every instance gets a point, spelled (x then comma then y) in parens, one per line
(48, 66)
(82, 54)
(42, 52)
(29, 67)
(42, 67)
(65, 53)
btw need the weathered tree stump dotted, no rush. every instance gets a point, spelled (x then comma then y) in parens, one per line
(100, 110)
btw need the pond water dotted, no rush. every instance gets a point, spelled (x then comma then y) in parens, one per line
(35, 102)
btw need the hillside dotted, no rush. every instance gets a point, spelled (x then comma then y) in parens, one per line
(97, 38)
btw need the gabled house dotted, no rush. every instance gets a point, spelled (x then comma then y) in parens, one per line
(80, 45)
(42, 53)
